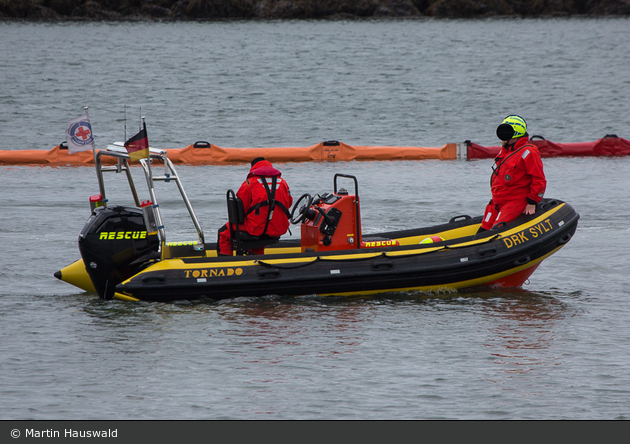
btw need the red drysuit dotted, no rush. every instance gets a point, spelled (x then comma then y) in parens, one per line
(256, 206)
(518, 179)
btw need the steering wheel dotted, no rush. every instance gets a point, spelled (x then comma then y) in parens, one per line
(301, 213)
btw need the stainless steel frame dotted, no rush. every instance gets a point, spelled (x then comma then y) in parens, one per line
(170, 174)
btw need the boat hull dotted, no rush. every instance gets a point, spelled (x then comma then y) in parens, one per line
(503, 259)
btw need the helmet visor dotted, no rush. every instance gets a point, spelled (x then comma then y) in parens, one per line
(505, 131)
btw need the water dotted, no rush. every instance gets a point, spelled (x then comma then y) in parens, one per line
(557, 349)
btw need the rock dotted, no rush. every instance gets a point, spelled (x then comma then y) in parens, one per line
(469, 8)
(345, 9)
(300, 9)
(396, 8)
(606, 7)
(212, 9)
(155, 11)
(94, 11)
(26, 9)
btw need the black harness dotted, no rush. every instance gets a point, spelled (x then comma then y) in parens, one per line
(271, 201)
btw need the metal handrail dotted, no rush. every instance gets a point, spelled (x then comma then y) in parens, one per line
(122, 164)
(170, 174)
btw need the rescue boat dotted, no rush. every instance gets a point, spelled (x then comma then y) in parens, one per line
(125, 253)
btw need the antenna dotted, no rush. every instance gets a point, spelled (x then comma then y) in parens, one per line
(125, 127)
(85, 108)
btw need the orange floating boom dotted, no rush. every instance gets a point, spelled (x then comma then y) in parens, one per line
(203, 153)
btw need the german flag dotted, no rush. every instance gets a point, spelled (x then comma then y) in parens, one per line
(138, 146)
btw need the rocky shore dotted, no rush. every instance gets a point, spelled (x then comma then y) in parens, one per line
(57, 10)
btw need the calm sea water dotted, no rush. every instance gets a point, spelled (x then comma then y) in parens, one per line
(557, 349)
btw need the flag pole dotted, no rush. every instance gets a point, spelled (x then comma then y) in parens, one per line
(125, 124)
(149, 158)
(93, 144)
(100, 185)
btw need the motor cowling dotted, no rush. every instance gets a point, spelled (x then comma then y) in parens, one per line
(115, 245)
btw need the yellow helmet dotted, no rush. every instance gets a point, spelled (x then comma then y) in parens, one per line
(512, 127)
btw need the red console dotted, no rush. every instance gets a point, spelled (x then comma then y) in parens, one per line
(333, 221)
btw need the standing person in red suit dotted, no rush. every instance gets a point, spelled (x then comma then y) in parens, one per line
(518, 181)
(263, 189)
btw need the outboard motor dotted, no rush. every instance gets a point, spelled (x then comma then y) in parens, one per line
(115, 245)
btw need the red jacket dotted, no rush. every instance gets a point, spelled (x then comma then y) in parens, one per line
(518, 174)
(256, 201)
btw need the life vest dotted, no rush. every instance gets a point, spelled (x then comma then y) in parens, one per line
(270, 185)
(266, 201)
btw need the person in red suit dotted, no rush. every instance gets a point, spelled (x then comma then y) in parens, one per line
(263, 189)
(518, 181)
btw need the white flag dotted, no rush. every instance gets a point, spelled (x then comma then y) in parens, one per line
(79, 134)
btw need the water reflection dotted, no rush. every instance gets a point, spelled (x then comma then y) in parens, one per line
(283, 328)
(522, 329)
(518, 329)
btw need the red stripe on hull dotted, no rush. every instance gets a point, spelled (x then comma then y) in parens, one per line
(514, 280)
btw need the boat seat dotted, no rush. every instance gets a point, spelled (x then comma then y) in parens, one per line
(242, 241)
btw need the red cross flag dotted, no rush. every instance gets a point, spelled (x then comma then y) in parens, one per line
(79, 134)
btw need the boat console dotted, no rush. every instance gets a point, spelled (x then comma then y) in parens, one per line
(332, 221)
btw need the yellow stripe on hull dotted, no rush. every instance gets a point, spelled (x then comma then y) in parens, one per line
(171, 264)
(124, 297)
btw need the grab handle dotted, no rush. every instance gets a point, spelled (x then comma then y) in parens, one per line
(269, 273)
(152, 280)
(382, 265)
(522, 261)
(487, 252)
(456, 218)
(566, 238)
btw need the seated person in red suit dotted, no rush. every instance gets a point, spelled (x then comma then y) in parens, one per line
(263, 185)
